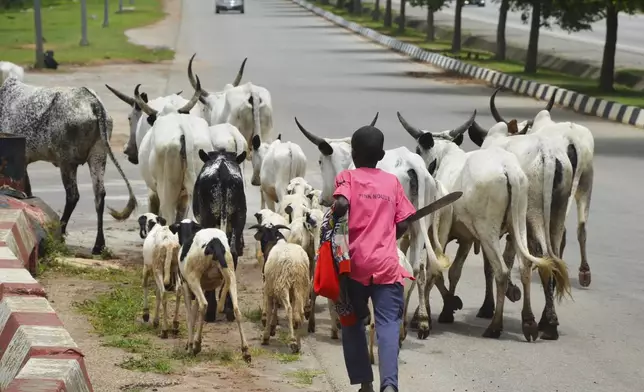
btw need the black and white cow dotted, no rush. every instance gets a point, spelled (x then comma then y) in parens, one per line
(219, 202)
(66, 126)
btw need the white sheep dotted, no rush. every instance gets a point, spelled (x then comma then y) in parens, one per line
(298, 185)
(160, 259)
(293, 206)
(286, 280)
(314, 197)
(205, 262)
(266, 217)
(8, 69)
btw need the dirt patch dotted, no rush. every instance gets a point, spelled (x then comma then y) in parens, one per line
(217, 367)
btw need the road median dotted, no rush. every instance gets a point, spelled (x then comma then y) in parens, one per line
(574, 100)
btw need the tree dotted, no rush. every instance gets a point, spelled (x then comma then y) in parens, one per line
(401, 17)
(456, 39)
(432, 7)
(500, 30)
(388, 17)
(375, 14)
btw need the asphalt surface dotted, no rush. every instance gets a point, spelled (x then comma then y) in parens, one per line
(584, 45)
(334, 82)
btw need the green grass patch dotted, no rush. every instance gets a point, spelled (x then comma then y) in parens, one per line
(61, 25)
(481, 58)
(254, 315)
(304, 376)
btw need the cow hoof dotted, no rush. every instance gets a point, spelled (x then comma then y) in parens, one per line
(334, 335)
(486, 311)
(175, 327)
(164, 334)
(189, 348)
(492, 332)
(513, 293)
(273, 328)
(423, 331)
(530, 330)
(175, 332)
(295, 348)
(455, 302)
(584, 278)
(146, 316)
(311, 328)
(264, 341)
(210, 317)
(264, 322)
(230, 315)
(155, 323)
(446, 316)
(246, 356)
(414, 320)
(196, 348)
(550, 332)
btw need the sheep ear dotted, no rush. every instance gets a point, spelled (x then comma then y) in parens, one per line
(240, 158)
(174, 228)
(203, 156)
(310, 196)
(162, 221)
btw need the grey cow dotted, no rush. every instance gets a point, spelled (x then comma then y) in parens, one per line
(67, 126)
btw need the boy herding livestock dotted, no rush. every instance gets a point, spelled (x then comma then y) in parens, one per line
(379, 212)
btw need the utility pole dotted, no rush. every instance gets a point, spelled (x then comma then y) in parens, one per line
(106, 11)
(40, 55)
(84, 41)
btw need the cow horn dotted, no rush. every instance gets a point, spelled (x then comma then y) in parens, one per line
(460, 130)
(413, 131)
(495, 113)
(240, 73)
(525, 129)
(312, 138)
(125, 98)
(373, 122)
(477, 133)
(257, 227)
(191, 77)
(551, 102)
(144, 106)
(280, 227)
(193, 101)
(179, 93)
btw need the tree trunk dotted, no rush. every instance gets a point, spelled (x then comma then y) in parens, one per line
(401, 17)
(339, 4)
(607, 76)
(500, 30)
(357, 7)
(388, 14)
(375, 14)
(431, 35)
(533, 45)
(456, 39)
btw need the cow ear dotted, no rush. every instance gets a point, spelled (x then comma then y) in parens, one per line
(241, 157)
(426, 140)
(152, 118)
(458, 139)
(162, 221)
(513, 127)
(310, 195)
(279, 137)
(203, 156)
(256, 142)
(144, 97)
(174, 228)
(325, 148)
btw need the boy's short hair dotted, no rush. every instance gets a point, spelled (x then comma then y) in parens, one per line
(368, 143)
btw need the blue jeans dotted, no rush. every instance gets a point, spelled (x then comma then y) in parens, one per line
(388, 305)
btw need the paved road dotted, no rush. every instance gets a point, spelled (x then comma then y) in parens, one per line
(334, 82)
(586, 45)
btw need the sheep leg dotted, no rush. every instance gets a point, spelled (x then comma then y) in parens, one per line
(155, 320)
(268, 310)
(177, 302)
(146, 306)
(293, 343)
(187, 295)
(161, 300)
(335, 319)
(372, 331)
(312, 311)
(231, 283)
(199, 309)
(274, 319)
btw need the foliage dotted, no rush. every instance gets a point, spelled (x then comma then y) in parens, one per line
(434, 5)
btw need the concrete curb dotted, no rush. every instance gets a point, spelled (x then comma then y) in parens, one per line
(36, 351)
(578, 102)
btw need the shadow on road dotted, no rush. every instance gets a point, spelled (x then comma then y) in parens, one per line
(437, 90)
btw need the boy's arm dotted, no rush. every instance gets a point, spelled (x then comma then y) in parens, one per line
(404, 210)
(342, 194)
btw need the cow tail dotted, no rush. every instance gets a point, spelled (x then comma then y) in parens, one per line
(436, 262)
(257, 126)
(103, 124)
(549, 167)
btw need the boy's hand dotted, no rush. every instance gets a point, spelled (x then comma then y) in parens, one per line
(340, 206)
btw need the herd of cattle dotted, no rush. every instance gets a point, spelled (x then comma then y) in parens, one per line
(191, 153)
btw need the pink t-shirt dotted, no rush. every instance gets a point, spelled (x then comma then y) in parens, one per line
(377, 202)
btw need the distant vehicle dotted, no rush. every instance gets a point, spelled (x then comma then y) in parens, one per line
(229, 5)
(480, 3)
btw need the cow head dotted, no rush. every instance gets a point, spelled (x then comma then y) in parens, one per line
(186, 230)
(260, 148)
(335, 156)
(147, 221)
(134, 120)
(432, 147)
(542, 118)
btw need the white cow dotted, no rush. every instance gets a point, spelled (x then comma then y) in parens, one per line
(420, 188)
(494, 202)
(549, 172)
(581, 152)
(169, 156)
(235, 104)
(8, 69)
(274, 165)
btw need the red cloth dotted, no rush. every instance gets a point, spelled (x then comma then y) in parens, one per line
(325, 281)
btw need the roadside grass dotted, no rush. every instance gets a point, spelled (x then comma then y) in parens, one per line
(481, 58)
(304, 376)
(61, 25)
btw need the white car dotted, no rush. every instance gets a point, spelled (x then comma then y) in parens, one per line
(229, 5)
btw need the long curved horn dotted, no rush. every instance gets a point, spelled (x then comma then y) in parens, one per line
(193, 101)
(551, 102)
(280, 227)
(191, 77)
(413, 131)
(495, 113)
(143, 105)
(525, 129)
(312, 138)
(460, 130)
(257, 227)
(238, 78)
(477, 133)
(179, 93)
(125, 98)
(373, 122)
